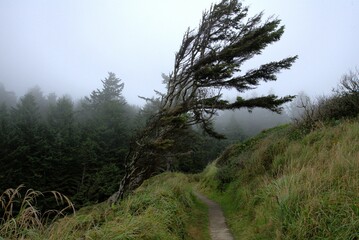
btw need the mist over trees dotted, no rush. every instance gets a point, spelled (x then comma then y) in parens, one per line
(6, 97)
(247, 123)
(86, 149)
(79, 148)
(53, 143)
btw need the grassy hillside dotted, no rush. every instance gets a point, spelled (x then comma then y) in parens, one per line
(162, 208)
(286, 184)
(283, 184)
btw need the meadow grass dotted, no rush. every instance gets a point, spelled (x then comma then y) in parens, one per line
(282, 184)
(285, 187)
(163, 207)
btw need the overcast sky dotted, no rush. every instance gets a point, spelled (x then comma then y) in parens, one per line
(68, 46)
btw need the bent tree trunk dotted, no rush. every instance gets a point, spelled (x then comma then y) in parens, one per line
(209, 60)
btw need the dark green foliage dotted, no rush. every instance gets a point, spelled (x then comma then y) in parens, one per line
(4, 124)
(25, 145)
(51, 143)
(64, 144)
(108, 119)
(48, 143)
(105, 132)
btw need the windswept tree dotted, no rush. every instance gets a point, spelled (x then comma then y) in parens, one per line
(209, 61)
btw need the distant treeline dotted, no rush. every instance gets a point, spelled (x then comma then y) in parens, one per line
(78, 148)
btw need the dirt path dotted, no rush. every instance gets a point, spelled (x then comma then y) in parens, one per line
(217, 223)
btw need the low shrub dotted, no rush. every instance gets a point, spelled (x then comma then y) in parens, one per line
(343, 103)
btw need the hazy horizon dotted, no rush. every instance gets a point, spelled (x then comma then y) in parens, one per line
(68, 47)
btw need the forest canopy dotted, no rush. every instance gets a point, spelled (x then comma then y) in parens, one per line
(78, 147)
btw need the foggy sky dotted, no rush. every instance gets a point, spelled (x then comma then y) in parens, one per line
(68, 46)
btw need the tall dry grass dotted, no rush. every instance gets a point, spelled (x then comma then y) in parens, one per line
(20, 216)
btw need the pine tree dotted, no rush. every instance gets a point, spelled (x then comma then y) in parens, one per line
(111, 91)
(105, 138)
(24, 162)
(5, 130)
(109, 118)
(63, 167)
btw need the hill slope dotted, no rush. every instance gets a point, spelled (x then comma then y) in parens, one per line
(284, 184)
(162, 208)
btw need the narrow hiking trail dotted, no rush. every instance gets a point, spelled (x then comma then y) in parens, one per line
(217, 223)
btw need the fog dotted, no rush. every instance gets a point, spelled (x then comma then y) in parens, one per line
(68, 46)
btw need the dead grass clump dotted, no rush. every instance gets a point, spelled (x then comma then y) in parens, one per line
(20, 216)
